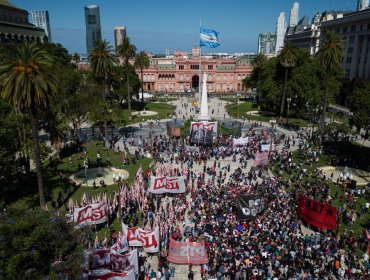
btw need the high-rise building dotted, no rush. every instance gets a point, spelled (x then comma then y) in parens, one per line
(293, 19)
(362, 5)
(267, 43)
(119, 34)
(280, 32)
(41, 19)
(93, 27)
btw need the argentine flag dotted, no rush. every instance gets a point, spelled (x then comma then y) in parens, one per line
(208, 38)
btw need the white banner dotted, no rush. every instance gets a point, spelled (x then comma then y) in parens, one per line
(107, 259)
(105, 274)
(137, 237)
(266, 147)
(122, 262)
(240, 141)
(166, 184)
(120, 246)
(91, 214)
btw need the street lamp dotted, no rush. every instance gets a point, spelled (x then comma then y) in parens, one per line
(238, 95)
(272, 123)
(151, 122)
(287, 113)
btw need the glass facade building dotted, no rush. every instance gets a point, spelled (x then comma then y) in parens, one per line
(93, 27)
(41, 19)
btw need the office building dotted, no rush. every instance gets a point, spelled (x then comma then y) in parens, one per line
(119, 34)
(41, 19)
(15, 27)
(280, 32)
(362, 5)
(267, 44)
(93, 27)
(354, 28)
(293, 19)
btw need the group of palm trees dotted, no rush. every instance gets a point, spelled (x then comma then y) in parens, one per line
(28, 84)
(329, 55)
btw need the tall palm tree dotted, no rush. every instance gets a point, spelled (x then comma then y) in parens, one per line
(127, 51)
(257, 64)
(142, 62)
(102, 61)
(330, 56)
(288, 59)
(28, 84)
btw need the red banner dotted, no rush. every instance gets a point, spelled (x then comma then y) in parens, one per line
(317, 214)
(187, 252)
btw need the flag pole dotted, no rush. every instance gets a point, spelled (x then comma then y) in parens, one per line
(200, 65)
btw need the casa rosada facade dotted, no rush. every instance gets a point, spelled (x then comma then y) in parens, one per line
(180, 73)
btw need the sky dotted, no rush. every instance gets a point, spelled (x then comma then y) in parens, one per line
(157, 25)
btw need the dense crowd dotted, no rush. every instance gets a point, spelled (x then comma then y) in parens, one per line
(272, 246)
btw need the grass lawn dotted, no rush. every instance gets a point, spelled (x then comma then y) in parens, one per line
(246, 107)
(163, 110)
(53, 185)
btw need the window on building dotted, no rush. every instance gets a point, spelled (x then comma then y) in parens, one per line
(218, 78)
(349, 60)
(209, 77)
(181, 77)
(351, 39)
(353, 28)
(181, 67)
(210, 67)
(194, 66)
(225, 77)
(347, 73)
(345, 29)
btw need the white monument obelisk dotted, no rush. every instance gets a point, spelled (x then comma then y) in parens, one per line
(204, 101)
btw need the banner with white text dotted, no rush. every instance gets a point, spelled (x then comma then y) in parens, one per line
(187, 252)
(166, 184)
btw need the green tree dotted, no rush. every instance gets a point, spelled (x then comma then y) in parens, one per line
(288, 59)
(142, 62)
(257, 65)
(360, 104)
(40, 246)
(127, 51)
(102, 62)
(27, 82)
(76, 58)
(119, 83)
(330, 55)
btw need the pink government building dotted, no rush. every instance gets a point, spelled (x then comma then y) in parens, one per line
(180, 72)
